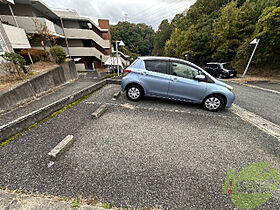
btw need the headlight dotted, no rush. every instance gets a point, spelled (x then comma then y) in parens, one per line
(230, 88)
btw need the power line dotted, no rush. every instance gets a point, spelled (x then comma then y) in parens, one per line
(153, 9)
(155, 15)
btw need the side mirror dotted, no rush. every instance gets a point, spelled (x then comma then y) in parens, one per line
(200, 77)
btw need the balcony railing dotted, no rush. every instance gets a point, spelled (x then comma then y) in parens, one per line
(86, 34)
(33, 24)
(87, 52)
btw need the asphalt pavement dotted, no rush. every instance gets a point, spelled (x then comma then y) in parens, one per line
(260, 102)
(266, 84)
(148, 153)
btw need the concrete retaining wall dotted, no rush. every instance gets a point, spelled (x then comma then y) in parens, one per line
(24, 122)
(38, 85)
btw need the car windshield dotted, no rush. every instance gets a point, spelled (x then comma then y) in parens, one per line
(227, 66)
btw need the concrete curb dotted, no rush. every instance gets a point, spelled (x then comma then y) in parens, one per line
(61, 148)
(99, 112)
(114, 81)
(24, 122)
(117, 94)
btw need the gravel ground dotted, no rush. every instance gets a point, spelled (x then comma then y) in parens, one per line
(151, 153)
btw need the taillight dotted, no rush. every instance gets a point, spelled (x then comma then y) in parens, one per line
(126, 72)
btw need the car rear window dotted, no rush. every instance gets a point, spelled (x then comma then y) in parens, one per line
(157, 66)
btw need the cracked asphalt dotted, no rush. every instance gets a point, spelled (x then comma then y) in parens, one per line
(148, 153)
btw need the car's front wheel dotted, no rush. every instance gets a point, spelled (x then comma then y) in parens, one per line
(134, 93)
(214, 103)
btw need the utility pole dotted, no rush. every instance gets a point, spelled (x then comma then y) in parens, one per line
(125, 17)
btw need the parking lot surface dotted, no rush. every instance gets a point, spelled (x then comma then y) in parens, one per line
(148, 153)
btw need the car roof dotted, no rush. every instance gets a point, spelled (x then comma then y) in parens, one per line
(214, 63)
(145, 58)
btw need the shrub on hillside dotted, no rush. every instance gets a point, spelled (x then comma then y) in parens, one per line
(58, 53)
(18, 62)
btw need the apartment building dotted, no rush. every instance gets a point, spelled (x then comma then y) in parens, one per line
(89, 44)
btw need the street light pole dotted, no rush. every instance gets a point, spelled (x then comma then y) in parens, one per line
(256, 42)
(117, 52)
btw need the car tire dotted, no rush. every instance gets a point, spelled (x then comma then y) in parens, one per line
(134, 93)
(213, 103)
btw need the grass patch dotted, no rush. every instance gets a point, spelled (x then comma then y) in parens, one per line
(113, 75)
(53, 115)
(75, 202)
(106, 206)
(17, 135)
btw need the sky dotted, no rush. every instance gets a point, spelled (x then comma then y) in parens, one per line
(151, 12)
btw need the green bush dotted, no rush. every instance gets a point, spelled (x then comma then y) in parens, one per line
(17, 60)
(58, 53)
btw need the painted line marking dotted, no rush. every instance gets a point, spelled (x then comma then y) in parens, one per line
(261, 123)
(256, 87)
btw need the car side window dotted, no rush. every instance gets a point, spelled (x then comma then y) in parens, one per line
(185, 71)
(157, 66)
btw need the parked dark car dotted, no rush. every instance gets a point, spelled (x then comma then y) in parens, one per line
(221, 70)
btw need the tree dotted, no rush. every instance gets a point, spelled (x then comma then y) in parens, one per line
(225, 35)
(162, 35)
(138, 38)
(268, 31)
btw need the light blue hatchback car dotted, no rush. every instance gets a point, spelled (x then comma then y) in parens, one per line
(176, 79)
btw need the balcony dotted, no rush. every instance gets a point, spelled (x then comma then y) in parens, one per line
(72, 33)
(17, 37)
(87, 52)
(32, 24)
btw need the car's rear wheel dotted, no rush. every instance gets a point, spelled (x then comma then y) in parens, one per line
(214, 103)
(134, 93)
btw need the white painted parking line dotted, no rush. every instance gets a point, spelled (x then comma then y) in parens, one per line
(261, 123)
(256, 87)
(260, 88)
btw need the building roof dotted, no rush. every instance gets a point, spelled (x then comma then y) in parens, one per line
(73, 15)
(67, 13)
(39, 5)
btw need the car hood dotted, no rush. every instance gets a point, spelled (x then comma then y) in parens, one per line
(218, 82)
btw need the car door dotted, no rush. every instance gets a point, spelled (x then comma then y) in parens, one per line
(183, 86)
(156, 78)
